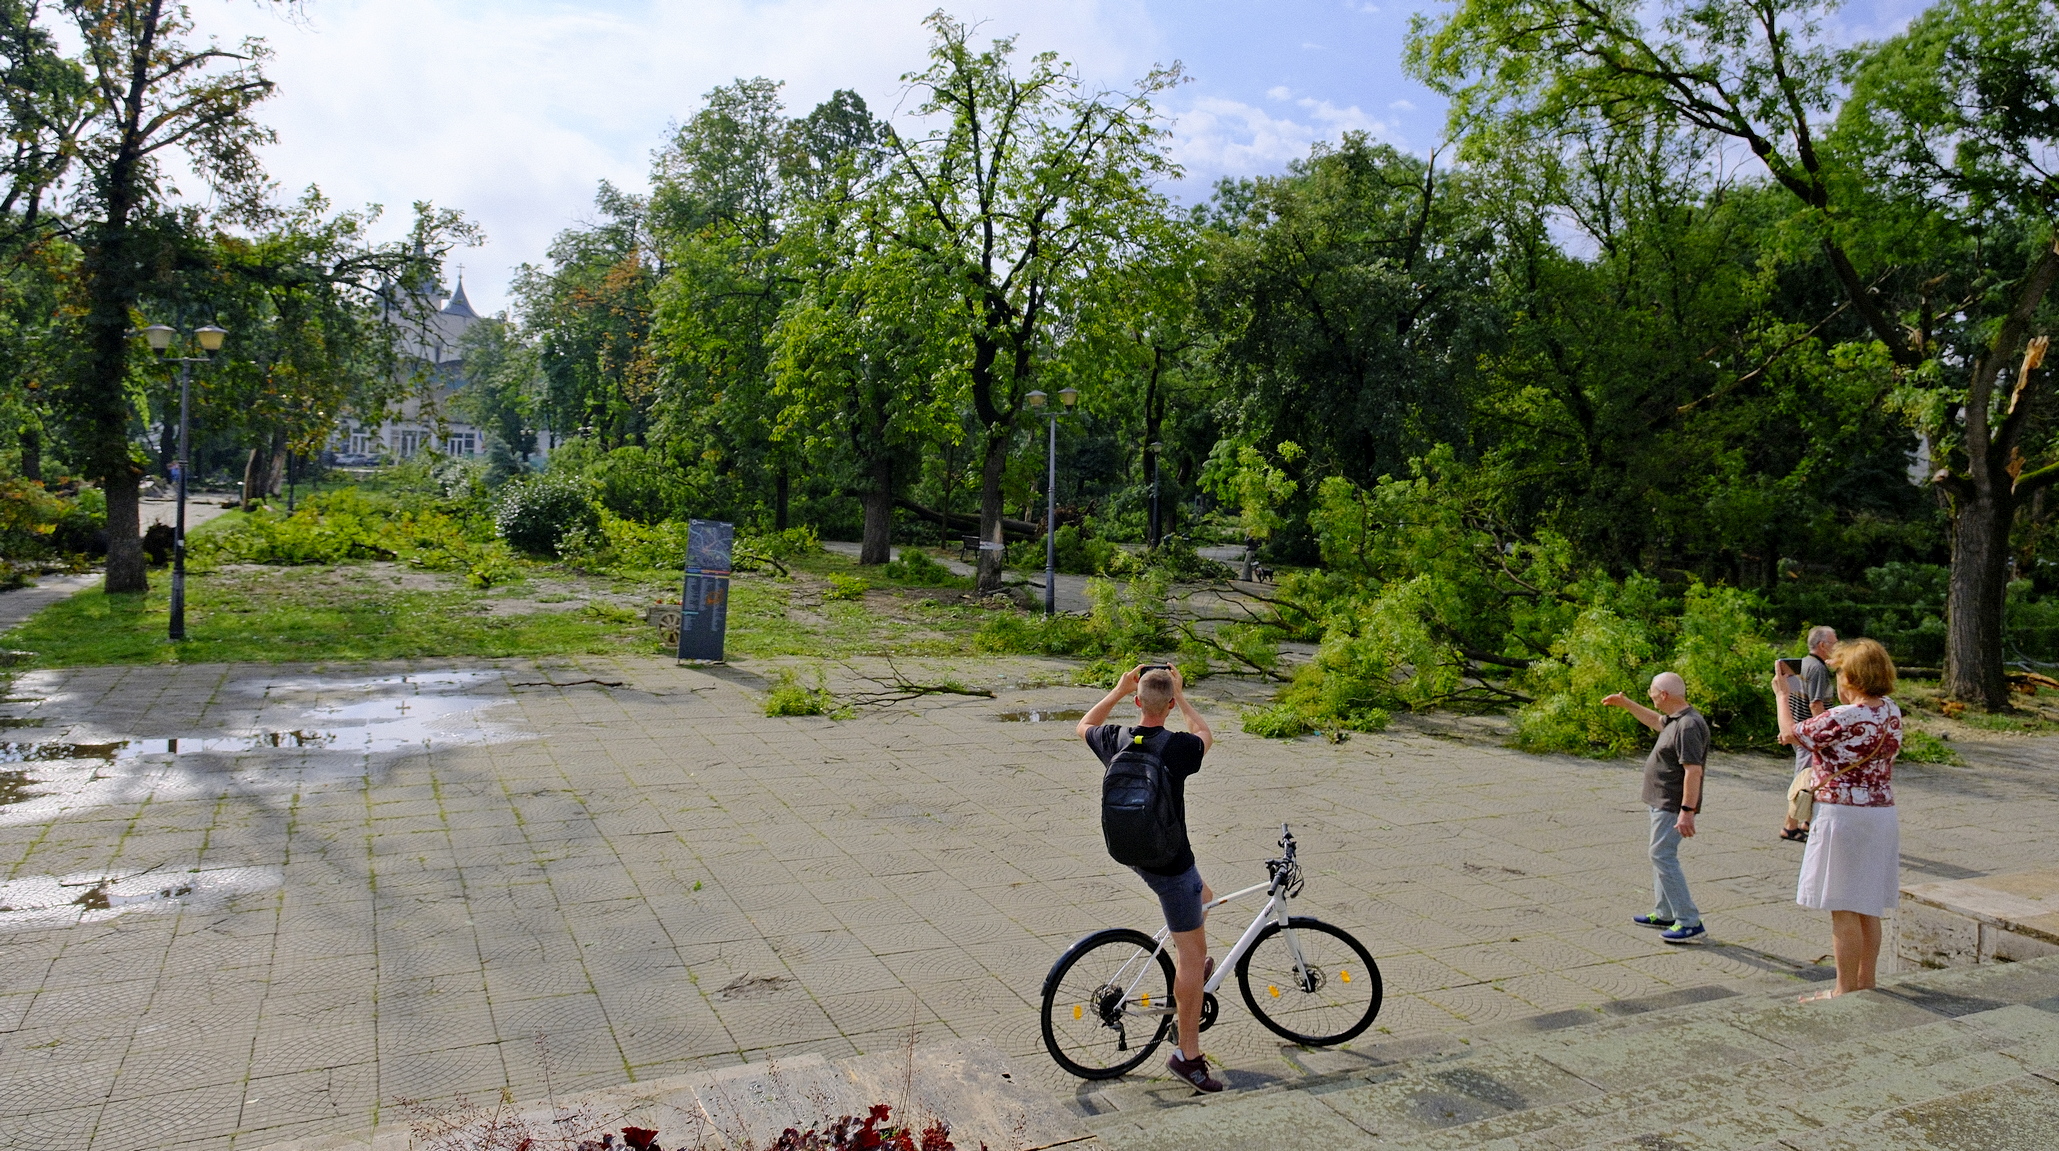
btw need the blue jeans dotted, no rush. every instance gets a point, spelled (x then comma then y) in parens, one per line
(1670, 900)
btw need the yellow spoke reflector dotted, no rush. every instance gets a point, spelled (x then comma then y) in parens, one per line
(1076, 1011)
(1273, 989)
(1147, 999)
(1346, 975)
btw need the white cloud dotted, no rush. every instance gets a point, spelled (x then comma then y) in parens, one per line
(1402, 106)
(1217, 137)
(1279, 92)
(514, 110)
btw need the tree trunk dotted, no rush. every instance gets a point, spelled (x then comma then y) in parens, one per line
(1979, 590)
(32, 454)
(779, 499)
(878, 502)
(1155, 529)
(991, 467)
(275, 464)
(250, 474)
(125, 561)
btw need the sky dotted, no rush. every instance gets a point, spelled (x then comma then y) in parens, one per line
(514, 110)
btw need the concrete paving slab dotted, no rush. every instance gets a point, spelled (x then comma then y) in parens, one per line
(670, 880)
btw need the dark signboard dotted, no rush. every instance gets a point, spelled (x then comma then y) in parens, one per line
(704, 600)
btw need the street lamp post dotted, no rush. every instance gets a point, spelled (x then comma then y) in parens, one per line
(209, 337)
(1068, 397)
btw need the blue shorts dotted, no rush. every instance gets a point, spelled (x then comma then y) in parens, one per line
(1178, 895)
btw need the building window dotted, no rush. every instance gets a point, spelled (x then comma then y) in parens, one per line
(462, 444)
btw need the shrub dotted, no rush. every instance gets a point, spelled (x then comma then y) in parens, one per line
(337, 529)
(916, 566)
(846, 587)
(29, 518)
(82, 525)
(1126, 623)
(639, 484)
(535, 515)
(1018, 633)
(788, 697)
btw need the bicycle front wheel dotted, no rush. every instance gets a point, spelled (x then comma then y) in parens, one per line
(1326, 997)
(1107, 1003)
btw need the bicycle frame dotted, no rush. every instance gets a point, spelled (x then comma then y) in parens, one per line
(1274, 911)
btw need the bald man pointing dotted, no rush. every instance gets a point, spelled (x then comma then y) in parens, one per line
(1673, 792)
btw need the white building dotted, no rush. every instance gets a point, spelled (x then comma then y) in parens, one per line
(431, 333)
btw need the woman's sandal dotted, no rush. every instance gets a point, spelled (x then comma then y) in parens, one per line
(1795, 834)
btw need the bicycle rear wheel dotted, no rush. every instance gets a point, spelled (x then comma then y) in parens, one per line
(1327, 999)
(1107, 1003)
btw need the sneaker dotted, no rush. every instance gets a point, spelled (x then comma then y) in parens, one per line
(1194, 1071)
(1650, 921)
(1682, 933)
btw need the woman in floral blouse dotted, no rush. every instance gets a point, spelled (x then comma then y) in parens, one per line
(1852, 865)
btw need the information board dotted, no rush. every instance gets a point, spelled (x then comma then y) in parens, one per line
(704, 599)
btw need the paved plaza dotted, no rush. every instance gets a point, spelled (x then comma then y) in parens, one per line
(240, 905)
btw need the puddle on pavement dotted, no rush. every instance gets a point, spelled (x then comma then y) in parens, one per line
(1042, 715)
(53, 900)
(336, 731)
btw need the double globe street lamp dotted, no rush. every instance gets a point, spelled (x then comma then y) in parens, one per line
(1037, 400)
(209, 338)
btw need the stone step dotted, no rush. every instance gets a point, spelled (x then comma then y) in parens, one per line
(1742, 1072)
(1634, 1042)
(969, 1084)
(2016, 1115)
(1746, 1106)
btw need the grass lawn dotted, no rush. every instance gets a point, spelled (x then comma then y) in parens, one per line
(380, 611)
(280, 615)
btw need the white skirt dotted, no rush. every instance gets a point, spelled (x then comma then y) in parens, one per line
(1853, 861)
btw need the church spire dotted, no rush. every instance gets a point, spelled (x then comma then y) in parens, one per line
(459, 305)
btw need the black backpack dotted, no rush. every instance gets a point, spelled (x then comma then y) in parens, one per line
(1138, 819)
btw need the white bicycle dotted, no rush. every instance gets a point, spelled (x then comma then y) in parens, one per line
(1108, 1001)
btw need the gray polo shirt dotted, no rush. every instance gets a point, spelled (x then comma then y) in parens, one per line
(1683, 739)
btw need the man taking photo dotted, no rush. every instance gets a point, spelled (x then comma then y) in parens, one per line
(1161, 761)
(1813, 693)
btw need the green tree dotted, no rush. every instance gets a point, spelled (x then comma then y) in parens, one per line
(503, 388)
(1025, 187)
(1929, 174)
(1349, 299)
(735, 183)
(315, 331)
(590, 313)
(153, 93)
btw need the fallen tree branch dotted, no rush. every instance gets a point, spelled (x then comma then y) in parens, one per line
(1236, 656)
(573, 683)
(968, 523)
(901, 689)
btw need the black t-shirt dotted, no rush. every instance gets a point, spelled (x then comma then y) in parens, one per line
(1181, 753)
